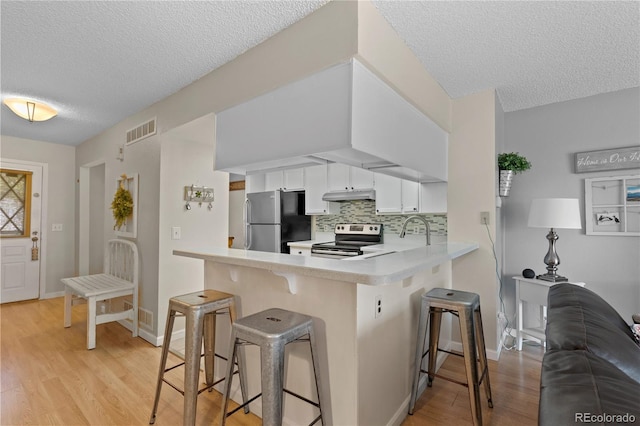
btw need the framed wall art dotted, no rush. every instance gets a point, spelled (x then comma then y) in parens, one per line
(612, 205)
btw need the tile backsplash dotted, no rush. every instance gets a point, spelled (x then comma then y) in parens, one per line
(365, 212)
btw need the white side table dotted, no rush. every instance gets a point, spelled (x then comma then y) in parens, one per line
(533, 291)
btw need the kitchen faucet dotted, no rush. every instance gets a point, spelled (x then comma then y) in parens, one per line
(425, 221)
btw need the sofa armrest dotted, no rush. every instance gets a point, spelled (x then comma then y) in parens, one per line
(579, 383)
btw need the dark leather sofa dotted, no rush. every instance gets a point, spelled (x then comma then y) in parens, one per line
(591, 369)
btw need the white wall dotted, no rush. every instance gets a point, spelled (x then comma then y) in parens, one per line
(549, 136)
(472, 189)
(143, 158)
(60, 246)
(499, 236)
(187, 158)
(97, 219)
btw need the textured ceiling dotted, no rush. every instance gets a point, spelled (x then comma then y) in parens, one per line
(101, 61)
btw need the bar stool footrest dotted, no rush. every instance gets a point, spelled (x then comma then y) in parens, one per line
(246, 404)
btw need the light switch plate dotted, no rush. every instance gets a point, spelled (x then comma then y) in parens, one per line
(176, 233)
(56, 227)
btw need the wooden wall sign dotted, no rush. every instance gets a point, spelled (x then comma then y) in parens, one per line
(608, 159)
(236, 186)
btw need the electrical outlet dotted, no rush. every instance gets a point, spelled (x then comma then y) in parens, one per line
(378, 303)
(416, 229)
(484, 218)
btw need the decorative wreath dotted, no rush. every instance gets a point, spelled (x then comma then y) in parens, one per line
(122, 204)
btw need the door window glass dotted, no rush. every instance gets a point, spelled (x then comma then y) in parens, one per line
(15, 205)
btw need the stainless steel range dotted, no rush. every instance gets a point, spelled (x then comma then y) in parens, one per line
(349, 240)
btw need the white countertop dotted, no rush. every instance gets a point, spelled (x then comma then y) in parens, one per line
(379, 269)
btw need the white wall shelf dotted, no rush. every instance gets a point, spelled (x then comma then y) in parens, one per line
(612, 205)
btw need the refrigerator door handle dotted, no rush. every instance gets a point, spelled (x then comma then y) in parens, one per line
(247, 231)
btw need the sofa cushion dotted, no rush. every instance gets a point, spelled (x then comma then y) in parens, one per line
(577, 386)
(578, 319)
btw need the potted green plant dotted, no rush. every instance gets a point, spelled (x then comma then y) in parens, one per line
(509, 164)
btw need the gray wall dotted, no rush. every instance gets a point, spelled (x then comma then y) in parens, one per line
(549, 136)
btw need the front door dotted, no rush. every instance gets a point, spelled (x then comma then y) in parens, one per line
(20, 216)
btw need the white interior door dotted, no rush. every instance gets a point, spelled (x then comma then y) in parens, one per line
(20, 217)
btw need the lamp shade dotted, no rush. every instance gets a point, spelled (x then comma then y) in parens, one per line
(555, 213)
(30, 109)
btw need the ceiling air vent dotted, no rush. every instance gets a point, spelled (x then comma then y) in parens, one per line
(142, 131)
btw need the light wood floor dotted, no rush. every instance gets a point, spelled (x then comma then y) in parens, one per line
(48, 377)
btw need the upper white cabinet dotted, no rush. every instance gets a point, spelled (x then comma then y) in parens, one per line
(286, 180)
(388, 194)
(342, 177)
(410, 196)
(339, 177)
(361, 179)
(316, 178)
(344, 114)
(395, 195)
(433, 197)
(254, 183)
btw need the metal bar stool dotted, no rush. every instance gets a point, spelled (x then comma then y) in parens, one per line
(200, 310)
(466, 306)
(271, 330)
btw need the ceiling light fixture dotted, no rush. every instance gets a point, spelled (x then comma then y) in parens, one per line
(30, 109)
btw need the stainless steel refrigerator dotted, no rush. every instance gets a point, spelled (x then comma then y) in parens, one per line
(273, 219)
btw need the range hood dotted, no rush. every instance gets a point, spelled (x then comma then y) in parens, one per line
(365, 194)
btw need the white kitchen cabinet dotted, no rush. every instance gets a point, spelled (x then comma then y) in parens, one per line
(433, 197)
(410, 196)
(388, 194)
(316, 178)
(254, 183)
(293, 179)
(347, 178)
(273, 181)
(361, 178)
(286, 180)
(338, 178)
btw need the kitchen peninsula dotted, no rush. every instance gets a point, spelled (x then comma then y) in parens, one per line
(365, 352)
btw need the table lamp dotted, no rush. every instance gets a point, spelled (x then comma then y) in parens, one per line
(554, 213)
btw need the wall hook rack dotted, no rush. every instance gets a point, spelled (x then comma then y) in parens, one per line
(198, 194)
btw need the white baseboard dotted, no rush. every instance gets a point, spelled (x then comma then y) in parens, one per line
(53, 295)
(150, 337)
(403, 410)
